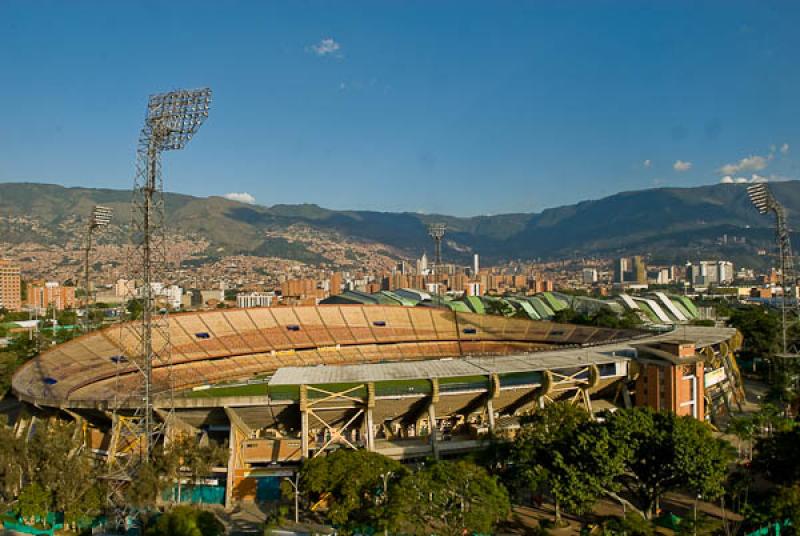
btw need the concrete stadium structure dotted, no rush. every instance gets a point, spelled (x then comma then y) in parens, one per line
(281, 384)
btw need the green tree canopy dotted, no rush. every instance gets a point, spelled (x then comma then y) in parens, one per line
(667, 452)
(447, 498)
(354, 480)
(760, 329)
(560, 451)
(186, 521)
(777, 456)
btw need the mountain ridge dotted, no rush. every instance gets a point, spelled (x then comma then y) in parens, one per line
(669, 221)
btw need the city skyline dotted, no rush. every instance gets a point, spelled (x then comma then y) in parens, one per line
(473, 110)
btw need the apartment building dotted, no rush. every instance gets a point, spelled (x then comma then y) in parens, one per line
(10, 286)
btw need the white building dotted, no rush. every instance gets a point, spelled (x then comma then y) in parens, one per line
(706, 273)
(255, 299)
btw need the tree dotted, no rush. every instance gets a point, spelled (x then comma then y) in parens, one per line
(33, 503)
(8, 365)
(760, 329)
(11, 471)
(447, 498)
(667, 452)
(185, 454)
(562, 452)
(144, 490)
(776, 456)
(785, 504)
(354, 482)
(186, 521)
(744, 428)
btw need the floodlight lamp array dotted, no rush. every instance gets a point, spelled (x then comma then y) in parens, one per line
(437, 230)
(101, 216)
(761, 197)
(174, 117)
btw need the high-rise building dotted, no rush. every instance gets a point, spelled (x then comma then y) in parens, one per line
(422, 265)
(476, 265)
(10, 286)
(335, 284)
(725, 272)
(620, 269)
(590, 276)
(639, 270)
(706, 273)
(43, 295)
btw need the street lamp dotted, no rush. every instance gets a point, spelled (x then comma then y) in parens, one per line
(296, 485)
(99, 219)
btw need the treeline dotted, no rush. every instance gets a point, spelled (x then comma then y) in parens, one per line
(560, 454)
(48, 472)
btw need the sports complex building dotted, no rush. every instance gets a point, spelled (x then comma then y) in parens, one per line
(285, 383)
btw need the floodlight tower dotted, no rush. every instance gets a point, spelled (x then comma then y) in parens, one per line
(171, 121)
(436, 231)
(98, 220)
(764, 201)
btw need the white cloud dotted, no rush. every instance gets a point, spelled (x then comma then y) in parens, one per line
(326, 47)
(242, 197)
(728, 179)
(681, 166)
(647, 163)
(784, 148)
(750, 163)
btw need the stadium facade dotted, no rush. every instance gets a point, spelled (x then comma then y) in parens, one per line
(285, 383)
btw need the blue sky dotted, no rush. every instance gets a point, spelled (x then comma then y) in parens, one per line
(455, 107)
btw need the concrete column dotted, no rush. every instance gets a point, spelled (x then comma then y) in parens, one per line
(370, 425)
(432, 426)
(304, 421)
(231, 467)
(490, 413)
(370, 432)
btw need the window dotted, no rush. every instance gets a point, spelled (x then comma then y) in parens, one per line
(202, 335)
(470, 331)
(293, 327)
(379, 323)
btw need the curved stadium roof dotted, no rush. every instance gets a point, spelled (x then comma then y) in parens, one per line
(224, 345)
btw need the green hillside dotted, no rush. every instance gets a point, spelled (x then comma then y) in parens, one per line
(669, 223)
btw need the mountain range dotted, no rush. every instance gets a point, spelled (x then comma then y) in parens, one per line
(666, 224)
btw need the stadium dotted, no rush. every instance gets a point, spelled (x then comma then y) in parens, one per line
(285, 383)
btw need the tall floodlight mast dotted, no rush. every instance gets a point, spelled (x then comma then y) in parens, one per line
(436, 231)
(764, 201)
(99, 219)
(172, 119)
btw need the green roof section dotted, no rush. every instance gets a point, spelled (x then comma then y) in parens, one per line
(554, 303)
(542, 309)
(526, 306)
(542, 306)
(687, 304)
(475, 304)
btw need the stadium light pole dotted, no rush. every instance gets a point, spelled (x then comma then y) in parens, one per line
(99, 219)
(765, 202)
(437, 231)
(172, 120)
